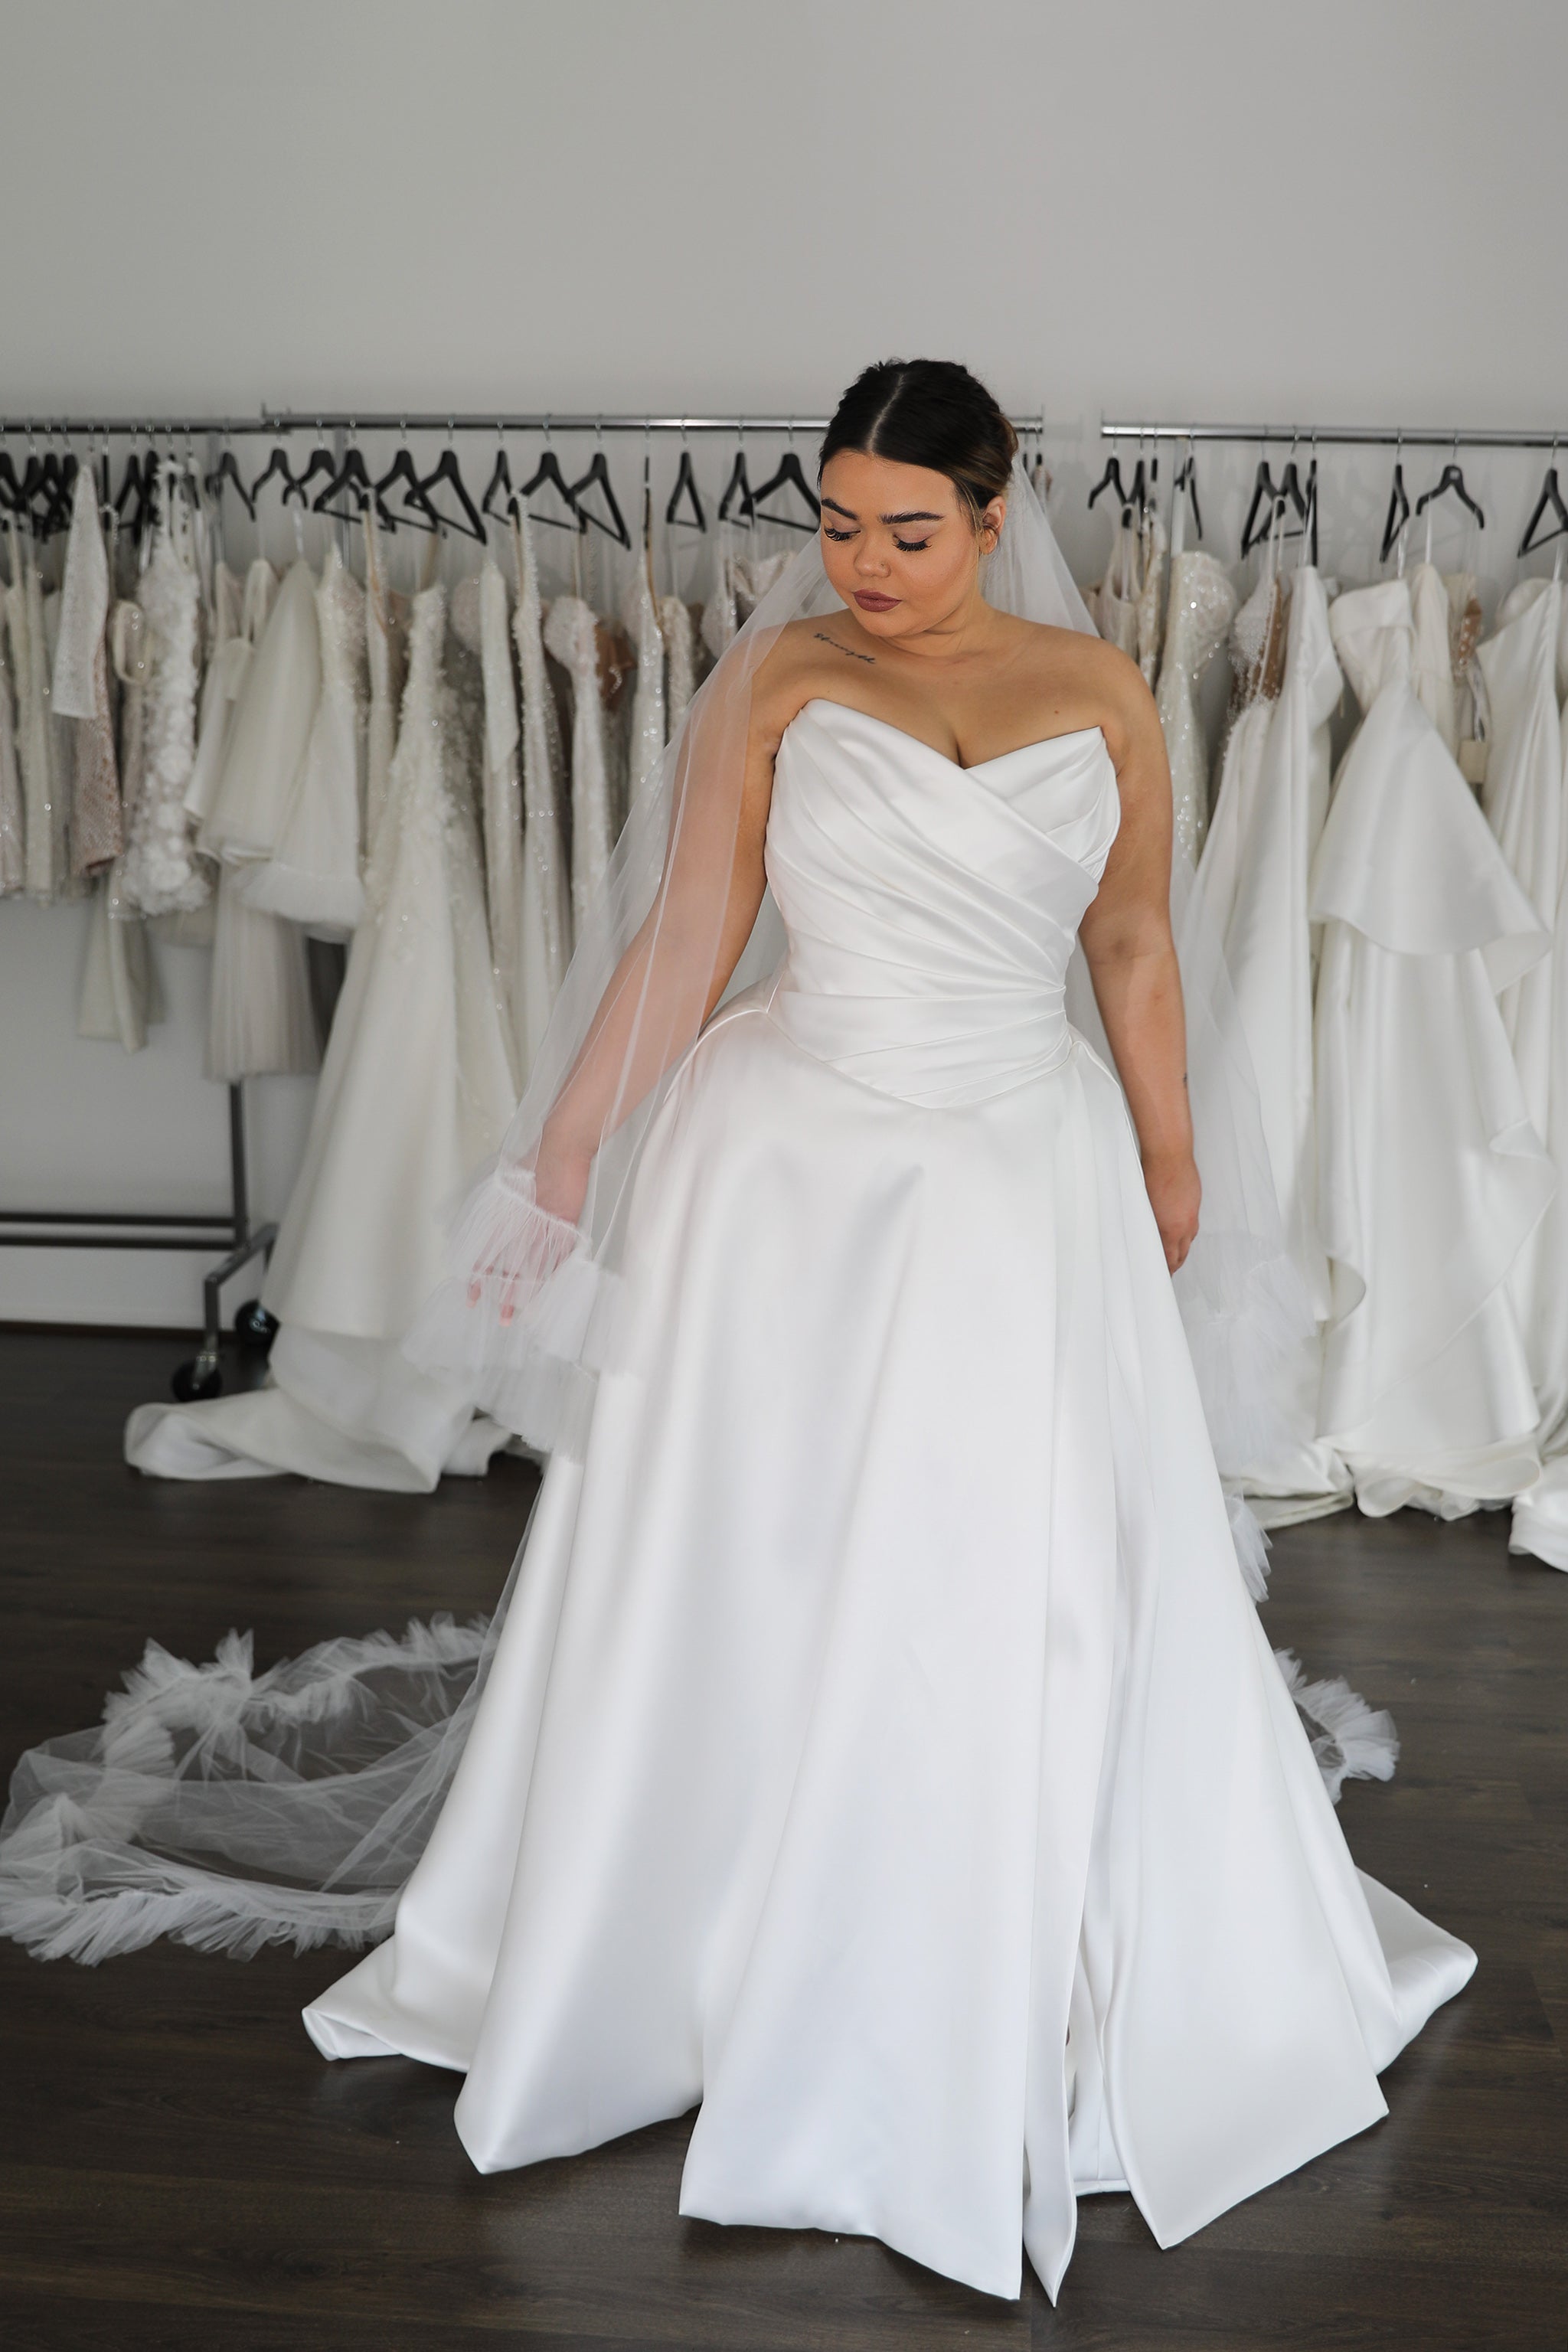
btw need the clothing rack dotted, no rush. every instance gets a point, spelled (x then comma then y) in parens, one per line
(408, 420)
(140, 1230)
(1365, 436)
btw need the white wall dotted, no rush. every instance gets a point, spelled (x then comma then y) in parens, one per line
(1352, 209)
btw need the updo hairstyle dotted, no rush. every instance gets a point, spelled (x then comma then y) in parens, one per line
(928, 413)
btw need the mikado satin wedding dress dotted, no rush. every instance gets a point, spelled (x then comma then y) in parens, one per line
(880, 1747)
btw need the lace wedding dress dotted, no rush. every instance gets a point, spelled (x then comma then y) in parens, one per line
(938, 1818)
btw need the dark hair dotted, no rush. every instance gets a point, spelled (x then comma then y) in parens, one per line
(930, 413)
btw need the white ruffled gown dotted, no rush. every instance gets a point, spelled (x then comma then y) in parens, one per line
(880, 1747)
(1431, 1177)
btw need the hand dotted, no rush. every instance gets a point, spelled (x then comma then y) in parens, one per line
(1171, 1181)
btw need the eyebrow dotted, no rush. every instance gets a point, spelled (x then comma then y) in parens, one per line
(912, 514)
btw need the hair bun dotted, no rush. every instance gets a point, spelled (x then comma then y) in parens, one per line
(931, 412)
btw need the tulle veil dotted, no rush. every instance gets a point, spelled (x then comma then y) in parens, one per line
(228, 1808)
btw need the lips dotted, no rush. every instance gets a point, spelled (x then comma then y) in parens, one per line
(869, 602)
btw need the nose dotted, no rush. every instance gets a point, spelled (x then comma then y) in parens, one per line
(870, 561)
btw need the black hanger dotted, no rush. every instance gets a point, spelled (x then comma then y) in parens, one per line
(1262, 513)
(789, 477)
(1452, 479)
(447, 473)
(226, 470)
(1309, 516)
(499, 481)
(403, 474)
(61, 473)
(547, 476)
(1187, 480)
(276, 468)
(352, 479)
(10, 484)
(738, 493)
(321, 461)
(1398, 513)
(1548, 502)
(598, 477)
(1111, 480)
(686, 488)
(133, 501)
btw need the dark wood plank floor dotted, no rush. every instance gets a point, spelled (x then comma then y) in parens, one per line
(178, 2168)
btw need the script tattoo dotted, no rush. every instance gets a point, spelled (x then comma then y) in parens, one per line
(823, 639)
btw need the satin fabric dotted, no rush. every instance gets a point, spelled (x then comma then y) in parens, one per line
(1431, 1177)
(880, 1749)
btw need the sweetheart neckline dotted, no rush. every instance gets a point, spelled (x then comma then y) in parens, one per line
(1065, 735)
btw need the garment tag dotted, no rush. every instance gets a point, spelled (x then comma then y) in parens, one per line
(1473, 759)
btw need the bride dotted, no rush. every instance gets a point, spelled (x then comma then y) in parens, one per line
(877, 1746)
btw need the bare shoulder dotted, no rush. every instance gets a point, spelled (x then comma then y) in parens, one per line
(792, 671)
(1082, 681)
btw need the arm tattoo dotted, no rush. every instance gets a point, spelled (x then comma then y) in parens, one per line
(823, 639)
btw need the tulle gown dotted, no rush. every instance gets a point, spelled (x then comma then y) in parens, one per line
(880, 1747)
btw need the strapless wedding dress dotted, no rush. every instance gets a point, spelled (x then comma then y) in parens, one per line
(880, 1747)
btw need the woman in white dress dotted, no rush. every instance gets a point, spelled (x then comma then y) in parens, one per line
(880, 1746)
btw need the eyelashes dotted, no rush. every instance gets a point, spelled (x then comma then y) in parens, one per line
(905, 546)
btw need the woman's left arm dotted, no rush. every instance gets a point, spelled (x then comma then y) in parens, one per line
(1127, 938)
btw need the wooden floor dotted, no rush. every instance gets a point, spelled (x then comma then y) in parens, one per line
(178, 2167)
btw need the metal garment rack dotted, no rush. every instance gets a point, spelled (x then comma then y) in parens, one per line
(140, 1230)
(286, 421)
(1365, 436)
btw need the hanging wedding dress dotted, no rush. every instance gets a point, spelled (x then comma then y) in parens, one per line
(43, 800)
(1431, 1177)
(416, 1090)
(571, 635)
(387, 651)
(481, 619)
(273, 712)
(162, 872)
(1523, 799)
(313, 877)
(545, 919)
(81, 690)
(1202, 607)
(239, 622)
(680, 645)
(645, 736)
(1115, 602)
(13, 823)
(879, 1744)
(1252, 887)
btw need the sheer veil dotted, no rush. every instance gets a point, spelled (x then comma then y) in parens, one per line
(230, 1809)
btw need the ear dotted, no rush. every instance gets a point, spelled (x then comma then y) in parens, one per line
(991, 521)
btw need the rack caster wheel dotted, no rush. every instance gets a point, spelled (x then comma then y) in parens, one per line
(254, 1328)
(194, 1382)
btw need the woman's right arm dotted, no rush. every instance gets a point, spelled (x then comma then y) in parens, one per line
(672, 975)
